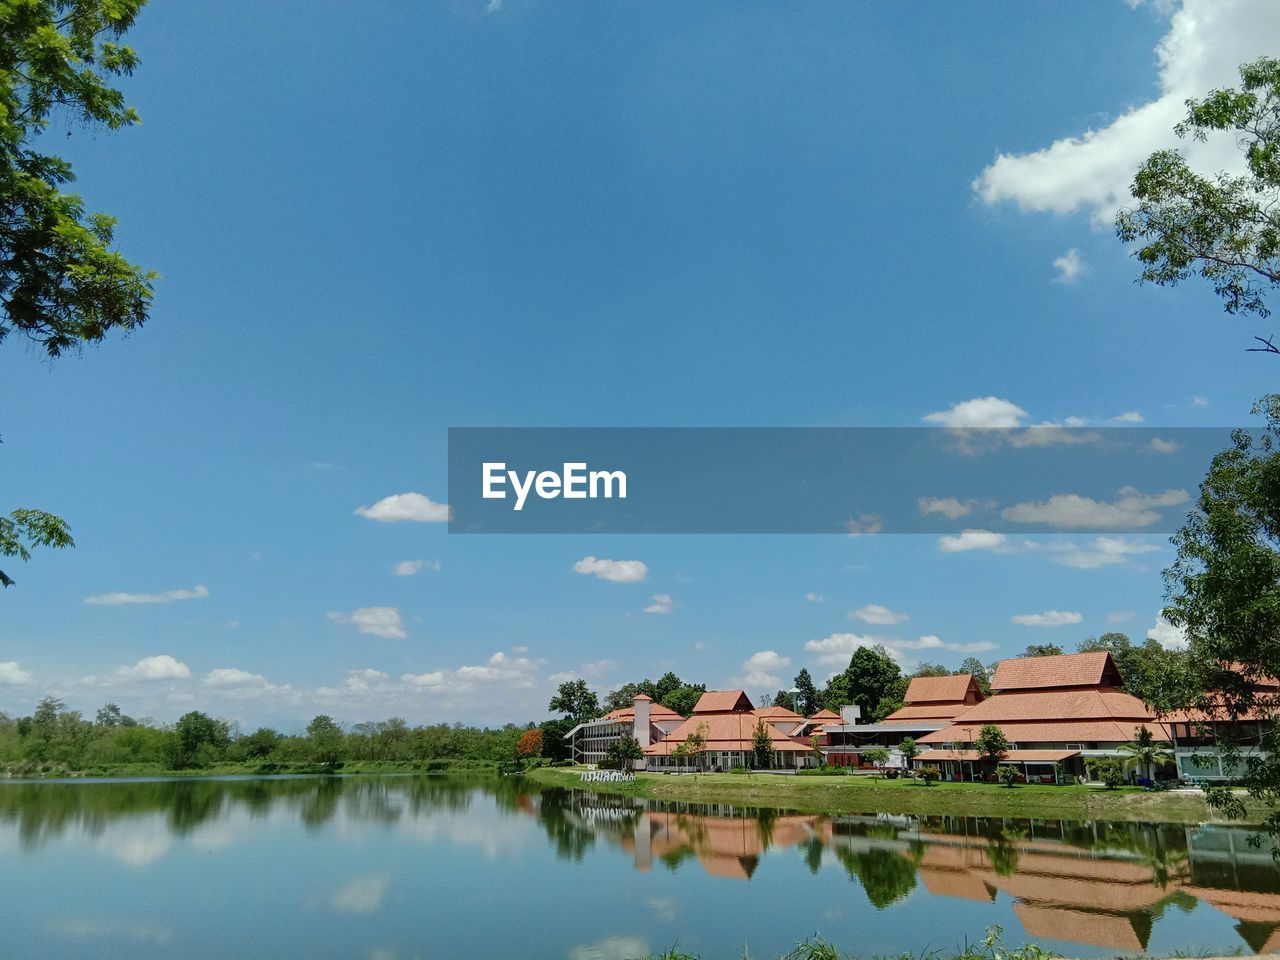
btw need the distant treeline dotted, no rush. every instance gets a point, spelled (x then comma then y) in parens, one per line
(55, 739)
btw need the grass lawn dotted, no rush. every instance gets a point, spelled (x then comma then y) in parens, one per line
(866, 794)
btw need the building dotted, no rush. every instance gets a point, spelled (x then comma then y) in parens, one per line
(645, 720)
(930, 704)
(1201, 737)
(1056, 712)
(726, 722)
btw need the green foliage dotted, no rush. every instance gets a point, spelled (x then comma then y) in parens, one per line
(198, 740)
(1146, 753)
(1107, 769)
(909, 750)
(1151, 672)
(930, 774)
(670, 691)
(872, 681)
(684, 698)
(1224, 591)
(991, 744)
(877, 757)
(574, 699)
(1008, 774)
(1223, 228)
(807, 700)
(25, 529)
(1042, 650)
(931, 670)
(619, 755)
(974, 667)
(762, 746)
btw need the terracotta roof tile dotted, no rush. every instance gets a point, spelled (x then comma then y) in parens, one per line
(938, 689)
(1065, 670)
(825, 715)
(725, 732)
(776, 713)
(722, 701)
(1065, 731)
(1101, 704)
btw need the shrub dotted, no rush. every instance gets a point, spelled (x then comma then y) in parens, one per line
(1008, 774)
(930, 775)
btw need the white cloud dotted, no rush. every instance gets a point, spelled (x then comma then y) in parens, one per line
(382, 622)
(12, 675)
(813, 597)
(762, 669)
(400, 507)
(233, 677)
(1167, 635)
(611, 948)
(1050, 618)
(1092, 171)
(361, 895)
(662, 603)
(1068, 266)
(1070, 511)
(836, 648)
(407, 568)
(615, 571)
(980, 412)
(1199, 401)
(972, 540)
(1119, 616)
(1129, 416)
(1163, 446)
(424, 681)
(949, 507)
(198, 592)
(1100, 552)
(877, 614)
(159, 667)
(500, 668)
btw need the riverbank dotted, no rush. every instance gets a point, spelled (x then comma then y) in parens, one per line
(863, 794)
(133, 770)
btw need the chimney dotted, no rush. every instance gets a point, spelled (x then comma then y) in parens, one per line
(641, 728)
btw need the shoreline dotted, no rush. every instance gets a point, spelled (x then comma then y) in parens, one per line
(865, 794)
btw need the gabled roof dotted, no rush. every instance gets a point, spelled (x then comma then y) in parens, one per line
(777, 714)
(938, 689)
(1065, 670)
(722, 701)
(727, 731)
(823, 716)
(628, 714)
(1069, 704)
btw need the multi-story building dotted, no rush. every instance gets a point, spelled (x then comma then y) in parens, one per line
(724, 725)
(645, 720)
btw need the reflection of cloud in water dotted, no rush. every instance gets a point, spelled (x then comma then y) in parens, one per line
(666, 909)
(136, 843)
(361, 895)
(86, 928)
(496, 838)
(612, 948)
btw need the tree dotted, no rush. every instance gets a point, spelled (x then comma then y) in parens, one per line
(1107, 769)
(1146, 753)
(762, 746)
(529, 747)
(878, 757)
(61, 284)
(1148, 669)
(324, 738)
(1224, 592)
(783, 699)
(621, 754)
(973, 666)
(199, 738)
(871, 681)
(684, 698)
(110, 715)
(807, 695)
(931, 670)
(1008, 775)
(1223, 228)
(909, 750)
(992, 745)
(1042, 650)
(577, 701)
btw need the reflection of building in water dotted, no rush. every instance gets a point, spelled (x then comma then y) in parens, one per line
(725, 846)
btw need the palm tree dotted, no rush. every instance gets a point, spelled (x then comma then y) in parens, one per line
(1146, 752)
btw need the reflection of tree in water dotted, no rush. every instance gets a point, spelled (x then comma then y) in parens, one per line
(558, 813)
(812, 853)
(885, 876)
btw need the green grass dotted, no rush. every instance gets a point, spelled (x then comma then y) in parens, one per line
(861, 794)
(54, 771)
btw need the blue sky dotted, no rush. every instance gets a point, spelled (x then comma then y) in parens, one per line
(377, 221)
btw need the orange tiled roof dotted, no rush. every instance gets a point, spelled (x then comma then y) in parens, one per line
(724, 732)
(1102, 704)
(824, 715)
(777, 713)
(1063, 731)
(938, 689)
(935, 712)
(1064, 670)
(722, 701)
(1021, 756)
(1079, 926)
(628, 714)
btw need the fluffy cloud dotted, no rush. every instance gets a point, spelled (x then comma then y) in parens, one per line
(980, 412)
(1068, 266)
(972, 540)
(1092, 171)
(233, 677)
(500, 668)
(12, 675)
(662, 603)
(160, 667)
(407, 568)
(835, 649)
(877, 614)
(1050, 618)
(382, 622)
(1070, 511)
(763, 669)
(400, 507)
(615, 571)
(1167, 635)
(1129, 416)
(813, 597)
(1158, 445)
(424, 681)
(1119, 616)
(949, 507)
(198, 592)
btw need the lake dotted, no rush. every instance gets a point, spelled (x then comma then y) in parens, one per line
(394, 868)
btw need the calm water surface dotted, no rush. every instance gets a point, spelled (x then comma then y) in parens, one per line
(434, 867)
